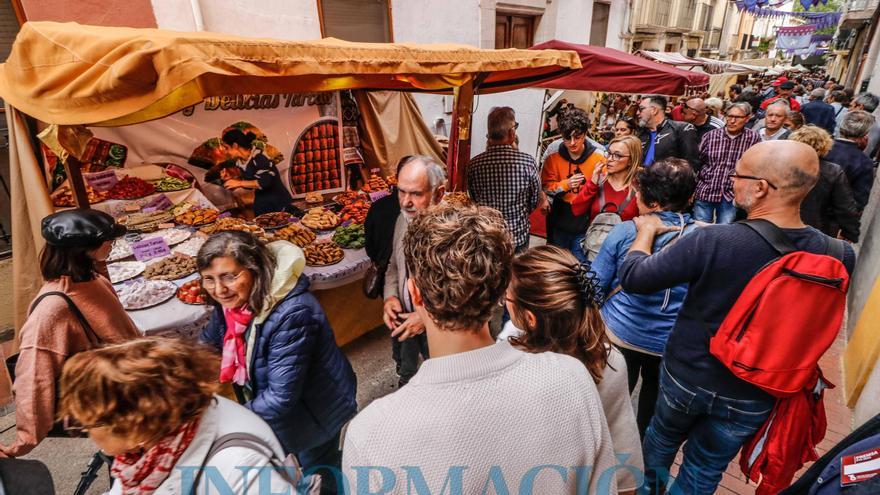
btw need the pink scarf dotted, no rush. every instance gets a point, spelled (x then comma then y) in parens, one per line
(233, 365)
(142, 473)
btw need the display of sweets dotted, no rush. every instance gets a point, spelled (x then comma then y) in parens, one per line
(316, 163)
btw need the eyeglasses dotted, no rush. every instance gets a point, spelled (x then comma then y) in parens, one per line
(226, 280)
(736, 117)
(73, 429)
(734, 175)
(642, 109)
(613, 157)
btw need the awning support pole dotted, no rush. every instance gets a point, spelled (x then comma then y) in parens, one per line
(460, 141)
(77, 185)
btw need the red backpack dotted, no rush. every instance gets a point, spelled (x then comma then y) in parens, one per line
(786, 317)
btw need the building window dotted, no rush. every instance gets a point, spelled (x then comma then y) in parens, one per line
(356, 20)
(514, 31)
(599, 24)
(686, 16)
(670, 47)
(662, 12)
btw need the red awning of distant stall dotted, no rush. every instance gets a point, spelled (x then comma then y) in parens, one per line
(607, 69)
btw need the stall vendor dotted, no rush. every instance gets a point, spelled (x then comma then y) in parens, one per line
(260, 174)
(75, 310)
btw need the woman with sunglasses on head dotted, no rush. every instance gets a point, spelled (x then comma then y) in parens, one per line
(610, 188)
(76, 309)
(551, 300)
(563, 175)
(151, 405)
(278, 349)
(625, 127)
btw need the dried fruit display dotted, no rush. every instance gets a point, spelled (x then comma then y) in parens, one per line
(323, 254)
(314, 197)
(231, 224)
(355, 212)
(320, 219)
(63, 196)
(316, 164)
(273, 220)
(348, 197)
(131, 188)
(145, 222)
(375, 183)
(171, 267)
(192, 293)
(198, 216)
(350, 237)
(296, 234)
(168, 184)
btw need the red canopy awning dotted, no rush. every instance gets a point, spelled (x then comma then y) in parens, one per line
(607, 69)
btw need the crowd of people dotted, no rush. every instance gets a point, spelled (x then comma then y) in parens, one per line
(516, 363)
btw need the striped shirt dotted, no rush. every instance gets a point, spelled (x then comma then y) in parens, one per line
(507, 180)
(719, 152)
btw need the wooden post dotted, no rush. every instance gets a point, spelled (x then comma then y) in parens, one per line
(460, 140)
(75, 180)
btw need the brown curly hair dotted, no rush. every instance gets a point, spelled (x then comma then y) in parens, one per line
(545, 281)
(143, 389)
(459, 259)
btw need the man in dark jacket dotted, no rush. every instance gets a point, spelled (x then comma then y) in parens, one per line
(847, 152)
(662, 137)
(819, 113)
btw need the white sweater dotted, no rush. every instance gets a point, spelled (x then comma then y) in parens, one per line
(482, 419)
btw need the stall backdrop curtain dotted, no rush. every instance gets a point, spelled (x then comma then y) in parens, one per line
(30, 203)
(392, 127)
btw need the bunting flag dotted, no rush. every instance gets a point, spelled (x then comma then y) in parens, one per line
(794, 37)
(806, 4)
(822, 20)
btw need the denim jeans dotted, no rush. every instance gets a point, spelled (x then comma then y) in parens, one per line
(324, 460)
(572, 242)
(720, 212)
(713, 427)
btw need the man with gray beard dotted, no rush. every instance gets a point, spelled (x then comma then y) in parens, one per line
(420, 185)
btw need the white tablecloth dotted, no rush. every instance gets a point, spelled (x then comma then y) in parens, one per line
(172, 317)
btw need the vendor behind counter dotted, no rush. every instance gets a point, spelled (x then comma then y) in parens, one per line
(260, 174)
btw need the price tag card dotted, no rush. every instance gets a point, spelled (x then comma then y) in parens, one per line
(101, 181)
(158, 203)
(148, 249)
(859, 467)
(375, 196)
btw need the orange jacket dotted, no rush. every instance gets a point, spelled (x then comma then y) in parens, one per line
(557, 170)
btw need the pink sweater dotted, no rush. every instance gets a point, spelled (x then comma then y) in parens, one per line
(49, 336)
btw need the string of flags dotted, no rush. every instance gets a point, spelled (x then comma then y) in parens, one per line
(821, 20)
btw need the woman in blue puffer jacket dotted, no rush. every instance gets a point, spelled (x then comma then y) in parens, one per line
(278, 349)
(640, 324)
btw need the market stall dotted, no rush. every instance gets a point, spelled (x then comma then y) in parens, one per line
(123, 85)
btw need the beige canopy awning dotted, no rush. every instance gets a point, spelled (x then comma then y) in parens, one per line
(68, 74)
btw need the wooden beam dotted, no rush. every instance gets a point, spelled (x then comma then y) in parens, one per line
(460, 140)
(76, 182)
(19, 12)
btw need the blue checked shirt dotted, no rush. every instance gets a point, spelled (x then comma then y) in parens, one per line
(719, 153)
(507, 180)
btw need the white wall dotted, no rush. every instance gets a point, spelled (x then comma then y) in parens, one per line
(278, 19)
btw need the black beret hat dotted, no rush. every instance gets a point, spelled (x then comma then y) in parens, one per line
(80, 227)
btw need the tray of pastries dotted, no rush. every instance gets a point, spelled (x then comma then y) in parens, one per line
(323, 254)
(320, 219)
(197, 216)
(315, 164)
(171, 267)
(296, 234)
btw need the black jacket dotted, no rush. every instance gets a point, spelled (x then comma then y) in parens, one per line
(676, 139)
(379, 228)
(819, 113)
(830, 205)
(859, 168)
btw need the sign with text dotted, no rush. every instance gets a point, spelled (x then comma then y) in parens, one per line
(160, 202)
(148, 249)
(101, 181)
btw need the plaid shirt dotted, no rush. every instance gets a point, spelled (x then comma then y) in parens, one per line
(507, 180)
(719, 153)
